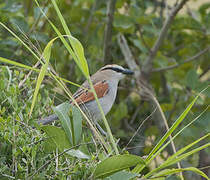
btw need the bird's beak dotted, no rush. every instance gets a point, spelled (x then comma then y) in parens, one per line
(128, 71)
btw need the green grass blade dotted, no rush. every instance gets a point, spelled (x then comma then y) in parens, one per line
(75, 50)
(166, 144)
(63, 22)
(167, 172)
(8, 61)
(76, 45)
(138, 168)
(24, 44)
(186, 148)
(84, 64)
(46, 57)
(183, 156)
(27, 47)
(177, 159)
(72, 50)
(173, 127)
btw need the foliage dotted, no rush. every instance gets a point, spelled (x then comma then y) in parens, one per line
(30, 150)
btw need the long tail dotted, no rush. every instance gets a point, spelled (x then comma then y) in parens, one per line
(48, 119)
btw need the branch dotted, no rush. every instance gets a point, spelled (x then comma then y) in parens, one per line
(129, 59)
(108, 30)
(185, 61)
(143, 86)
(149, 61)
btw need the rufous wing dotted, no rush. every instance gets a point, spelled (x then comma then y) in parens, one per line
(101, 89)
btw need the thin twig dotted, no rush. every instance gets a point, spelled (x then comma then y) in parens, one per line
(167, 128)
(140, 127)
(8, 176)
(185, 61)
(149, 61)
(108, 30)
(27, 75)
(136, 113)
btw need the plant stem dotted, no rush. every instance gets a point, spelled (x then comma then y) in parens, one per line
(103, 117)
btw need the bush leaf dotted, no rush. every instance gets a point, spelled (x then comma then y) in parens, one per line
(77, 153)
(122, 175)
(116, 163)
(77, 123)
(62, 112)
(58, 136)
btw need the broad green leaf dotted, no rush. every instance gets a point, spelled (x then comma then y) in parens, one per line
(139, 45)
(20, 24)
(62, 111)
(11, 6)
(58, 136)
(77, 123)
(116, 163)
(123, 21)
(122, 175)
(46, 57)
(77, 153)
(79, 52)
(186, 23)
(167, 172)
(49, 145)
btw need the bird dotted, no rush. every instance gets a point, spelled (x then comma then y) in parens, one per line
(105, 82)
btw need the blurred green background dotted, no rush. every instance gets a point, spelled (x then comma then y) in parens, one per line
(140, 22)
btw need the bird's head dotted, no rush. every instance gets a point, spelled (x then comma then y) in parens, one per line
(116, 71)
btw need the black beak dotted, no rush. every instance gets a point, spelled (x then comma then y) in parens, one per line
(127, 71)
